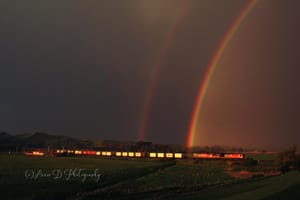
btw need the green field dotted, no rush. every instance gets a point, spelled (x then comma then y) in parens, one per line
(262, 156)
(14, 184)
(280, 187)
(135, 179)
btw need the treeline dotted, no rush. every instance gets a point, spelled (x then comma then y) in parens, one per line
(31, 141)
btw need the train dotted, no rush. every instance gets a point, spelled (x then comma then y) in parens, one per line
(154, 155)
(34, 153)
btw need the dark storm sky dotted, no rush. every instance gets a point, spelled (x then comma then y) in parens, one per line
(83, 68)
(254, 96)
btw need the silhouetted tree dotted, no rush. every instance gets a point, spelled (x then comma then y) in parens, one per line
(287, 159)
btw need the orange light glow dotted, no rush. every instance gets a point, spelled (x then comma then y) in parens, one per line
(90, 153)
(37, 153)
(203, 155)
(34, 153)
(234, 156)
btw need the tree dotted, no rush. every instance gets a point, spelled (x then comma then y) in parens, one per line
(287, 159)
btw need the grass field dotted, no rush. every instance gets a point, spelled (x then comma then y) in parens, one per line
(54, 182)
(182, 177)
(206, 180)
(280, 187)
(135, 179)
(262, 156)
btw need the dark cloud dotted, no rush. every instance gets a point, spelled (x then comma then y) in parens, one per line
(83, 69)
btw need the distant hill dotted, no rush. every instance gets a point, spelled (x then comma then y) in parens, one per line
(40, 140)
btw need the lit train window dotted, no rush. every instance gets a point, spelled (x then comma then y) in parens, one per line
(118, 153)
(160, 155)
(77, 152)
(138, 154)
(124, 154)
(98, 153)
(234, 155)
(131, 154)
(169, 155)
(205, 155)
(37, 153)
(152, 155)
(178, 155)
(108, 153)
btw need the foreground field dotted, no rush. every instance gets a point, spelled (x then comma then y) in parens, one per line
(206, 180)
(280, 187)
(38, 178)
(262, 156)
(59, 177)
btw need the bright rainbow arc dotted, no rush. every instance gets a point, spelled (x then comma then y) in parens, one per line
(211, 68)
(157, 67)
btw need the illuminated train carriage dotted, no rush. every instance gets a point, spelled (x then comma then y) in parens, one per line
(131, 154)
(218, 156)
(34, 153)
(234, 156)
(166, 155)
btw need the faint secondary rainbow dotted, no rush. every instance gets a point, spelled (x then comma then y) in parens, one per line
(167, 42)
(211, 68)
